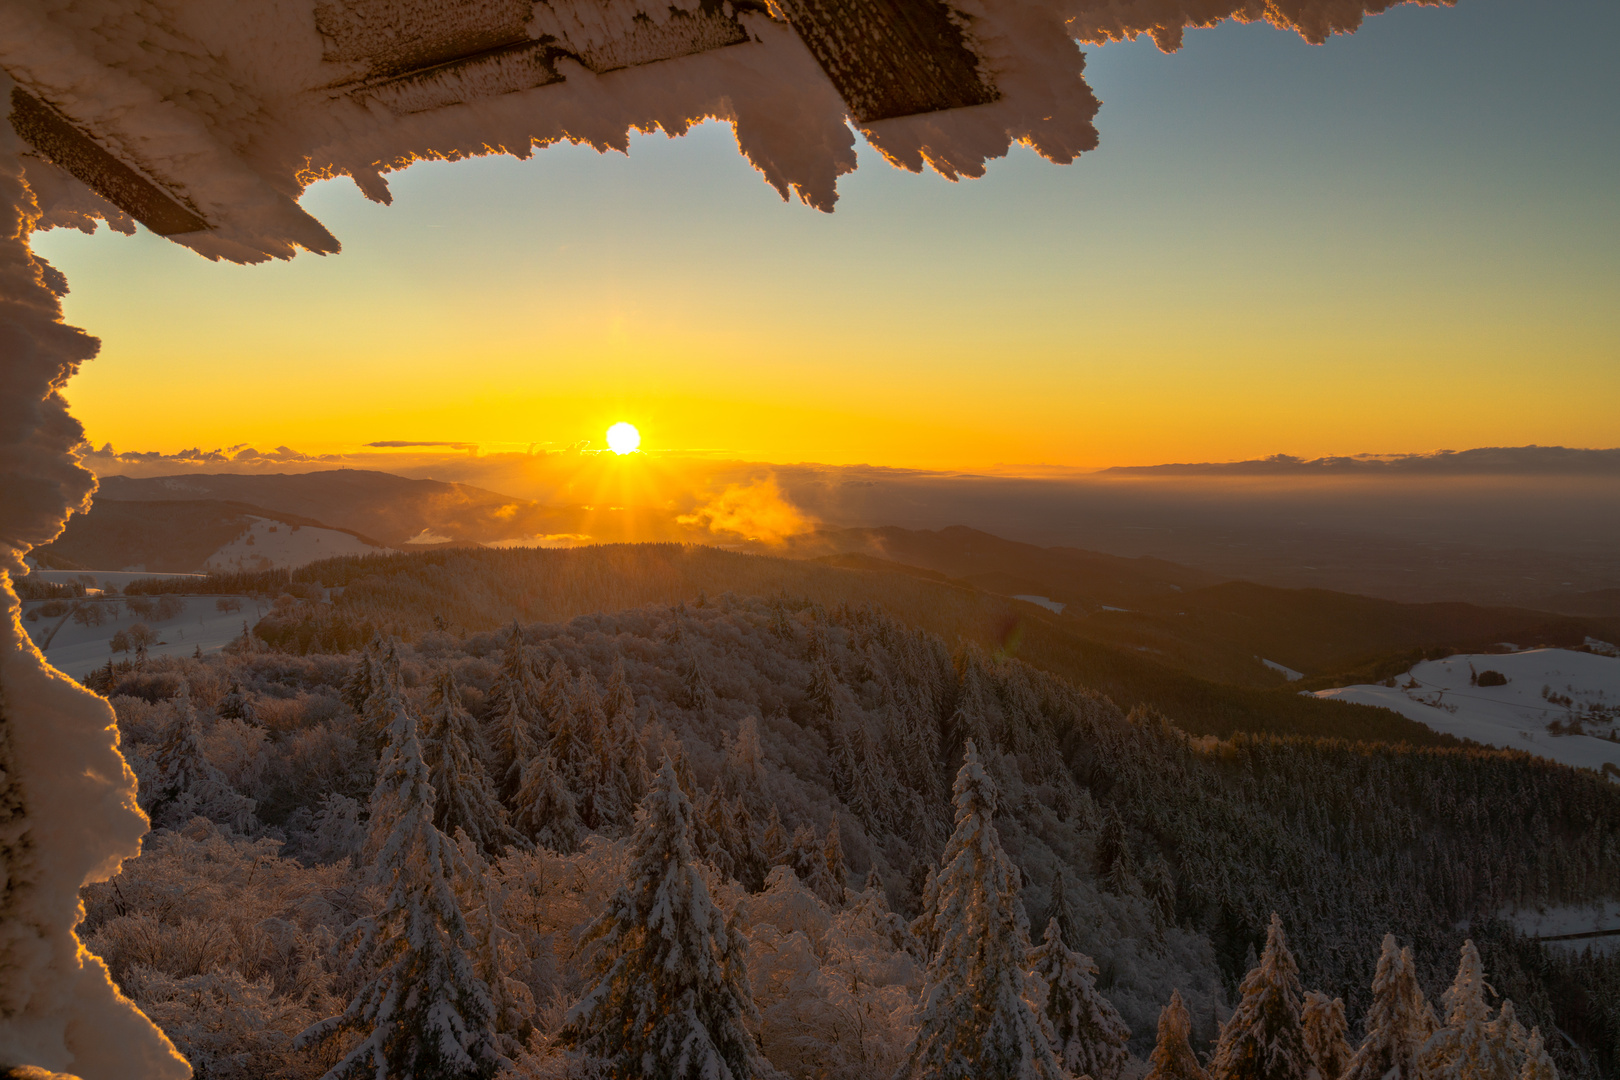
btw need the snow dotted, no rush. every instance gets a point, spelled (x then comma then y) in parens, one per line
(1584, 919)
(77, 650)
(1602, 648)
(273, 545)
(1054, 606)
(1515, 715)
(70, 795)
(230, 110)
(1286, 672)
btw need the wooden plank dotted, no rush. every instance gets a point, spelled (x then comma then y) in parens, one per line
(890, 58)
(645, 41)
(505, 70)
(71, 150)
(396, 37)
(423, 55)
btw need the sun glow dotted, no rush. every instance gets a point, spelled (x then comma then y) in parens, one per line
(623, 438)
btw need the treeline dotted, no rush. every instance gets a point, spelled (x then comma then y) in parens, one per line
(472, 589)
(234, 583)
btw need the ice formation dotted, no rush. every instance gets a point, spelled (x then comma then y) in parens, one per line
(206, 119)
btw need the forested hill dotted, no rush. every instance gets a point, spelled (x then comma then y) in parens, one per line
(820, 738)
(476, 589)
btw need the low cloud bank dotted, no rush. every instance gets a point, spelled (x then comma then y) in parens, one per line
(1488, 460)
(756, 511)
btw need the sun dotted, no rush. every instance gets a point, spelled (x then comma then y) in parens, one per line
(623, 438)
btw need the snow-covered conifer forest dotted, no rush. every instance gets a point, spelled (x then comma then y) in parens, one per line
(763, 833)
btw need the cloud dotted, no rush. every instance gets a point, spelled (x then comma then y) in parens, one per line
(754, 512)
(542, 540)
(401, 443)
(107, 461)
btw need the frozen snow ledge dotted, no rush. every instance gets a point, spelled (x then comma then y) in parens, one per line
(67, 800)
(206, 119)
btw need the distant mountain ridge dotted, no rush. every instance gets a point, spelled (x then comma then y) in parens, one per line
(394, 509)
(1488, 460)
(169, 536)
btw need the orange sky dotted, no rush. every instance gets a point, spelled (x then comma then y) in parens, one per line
(1248, 265)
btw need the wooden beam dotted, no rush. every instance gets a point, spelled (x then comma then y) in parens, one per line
(504, 70)
(427, 54)
(891, 58)
(71, 150)
(397, 37)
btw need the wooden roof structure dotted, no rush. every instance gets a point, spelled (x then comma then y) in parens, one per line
(885, 58)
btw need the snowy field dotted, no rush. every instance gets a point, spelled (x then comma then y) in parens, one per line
(275, 545)
(1544, 686)
(1567, 922)
(1284, 670)
(77, 650)
(1054, 606)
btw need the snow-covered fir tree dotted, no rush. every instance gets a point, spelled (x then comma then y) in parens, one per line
(1173, 1057)
(1265, 1038)
(1159, 886)
(188, 784)
(823, 696)
(362, 678)
(421, 1010)
(1469, 1046)
(385, 684)
(1326, 1034)
(464, 798)
(748, 857)
(1115, 866)
(511, 1002)
(672, 998)
(543, 808)
(974, 1020)
(778, 849)
(1061, 911)
(617, 698)
(1538, 1064)
(832, 887)
(715, 834)
(1399, 1021)
(237, 704)
(973, 718)
(569, 739)
(1088, 1035)
(621, 777)
(581, 753)
(865, 778)
(697, 696)
(742, 767)
(513, 716)
(555, 700)
(1509, 1038)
